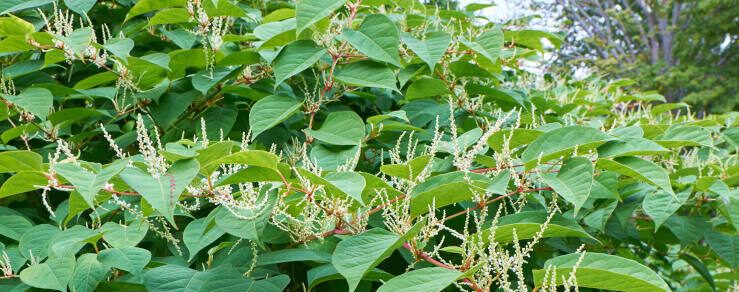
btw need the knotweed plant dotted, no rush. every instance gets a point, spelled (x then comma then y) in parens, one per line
(342, 146)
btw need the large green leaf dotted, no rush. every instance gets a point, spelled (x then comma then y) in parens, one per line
(199, 233)
(573, 181)
(293, 255)
(37, 101)
(162, 192)
(12, 25)
(88, 272)
(22, 182)
(53, 274)
(441, 196)
(431, 48)
(87, 183)
(340, 128)
(309, 11)
(377, 37)
(422, 280)
(561, 142)
(488, 44)
(14, 226)
(725, 246)
(247, 223)
(129, 259)
(296, 57)
(119, 235)
(145, 6)
(640, 169)
(425, 88)
(270, 111)
(677, 136)
(21, 160)
(174, 278)
(70, 240)
(630, 147)
(35, 242)
(514, 138)
(350, 183)
(602, 271)
(660, 206)
(356, 255)
(327, 272)
(527, 224)
(368, 74)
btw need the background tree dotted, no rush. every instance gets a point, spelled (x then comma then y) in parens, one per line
(684, 49)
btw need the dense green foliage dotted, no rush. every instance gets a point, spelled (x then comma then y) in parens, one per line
(214, 145)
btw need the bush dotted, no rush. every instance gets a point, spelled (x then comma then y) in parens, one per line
(172, 145)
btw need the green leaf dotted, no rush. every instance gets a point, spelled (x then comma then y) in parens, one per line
(515, 138)
(22, 182)
(376, 119)
(198, 234)
(725, 246)
(660, 206)
(700, 267)
(309, 11)
(164, 191)
(640, 169)
(327, 272)
(573, 181)
(377, 37)
(87, 183)
(88, 272)
(70, 240)
(275, 34)
(426, 87)
(251, 157)
(53, 274)
(733, 208)
(20, 160)
(685, 136)
(145, 6)
(296, 57)
(630, 147)
(80, 6)
(688, 229)
(35, 242)
(431, 49)
(441, 196)
(562, 142)
(527, 224)
(368, 74)
(173, 278)
(350, 183)
(602, 271)
(12, 25)
(340, 128)
(168, 16)
(37, 101)
(25, 5)
(488, 44)
(270, 111)
(422, 280)
(293, 255)
(129, 259)
(14, 226)
(249, 224)
(354, 256)
(532, 38)
(410, 170)
(120, 236)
